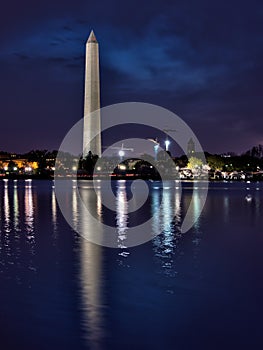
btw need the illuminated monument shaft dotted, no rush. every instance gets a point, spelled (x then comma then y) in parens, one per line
(92, 124)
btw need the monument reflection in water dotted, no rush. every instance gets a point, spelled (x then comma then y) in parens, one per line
(91, 269)
(92, 272)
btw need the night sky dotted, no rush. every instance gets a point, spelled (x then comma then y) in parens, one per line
(201, 59)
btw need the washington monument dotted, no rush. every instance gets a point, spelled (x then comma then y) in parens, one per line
(92, 124)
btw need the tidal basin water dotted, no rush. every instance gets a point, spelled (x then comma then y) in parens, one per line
(198, 290)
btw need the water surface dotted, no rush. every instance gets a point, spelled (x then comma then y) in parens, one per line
(198, 290)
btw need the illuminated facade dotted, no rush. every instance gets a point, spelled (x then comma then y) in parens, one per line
(92, 122)
(16, 164)
(190, 148)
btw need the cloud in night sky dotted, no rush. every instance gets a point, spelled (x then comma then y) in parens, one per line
(202, 60)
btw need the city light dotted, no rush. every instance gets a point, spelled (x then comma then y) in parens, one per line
(167, 143)
(121, 154)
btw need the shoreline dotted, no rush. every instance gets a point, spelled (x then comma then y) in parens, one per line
(122, 177)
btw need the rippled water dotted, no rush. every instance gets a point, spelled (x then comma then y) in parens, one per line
(198, 290)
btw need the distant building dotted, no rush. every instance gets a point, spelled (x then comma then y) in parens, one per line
(190, 148)
(20, 165)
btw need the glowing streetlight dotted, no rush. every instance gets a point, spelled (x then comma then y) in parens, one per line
(121, 154)
(167, 143)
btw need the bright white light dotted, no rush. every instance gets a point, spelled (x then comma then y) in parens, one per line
(121, 153)
(74, 168)
(5, 168)
(28, 168)
(122, 167)
(99, 168)
(167, 143)
(15, 168)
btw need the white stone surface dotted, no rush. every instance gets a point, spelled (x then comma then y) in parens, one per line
(92, 118)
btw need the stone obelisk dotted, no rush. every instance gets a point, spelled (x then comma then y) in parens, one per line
(92, 123)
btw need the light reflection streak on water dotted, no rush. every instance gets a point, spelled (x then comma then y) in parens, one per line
(167, 209)
(177, 211)
(91, 276)
(226, 208)
(54, 210)
(6, 210)
(99, 203)
(196, 197)
(15, 230)
(29, 218)
(16, 210)
(75, 216)
(164, 226)
(121, 214)
(91, 292)
(122, 219)
(29, 209)
(196, 207)
(6, 242)
(156, 201)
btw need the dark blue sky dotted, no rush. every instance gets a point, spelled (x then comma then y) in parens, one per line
(201, 59)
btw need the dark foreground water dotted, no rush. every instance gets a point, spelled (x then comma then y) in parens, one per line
(199, 290)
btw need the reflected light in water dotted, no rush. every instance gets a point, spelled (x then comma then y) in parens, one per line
(99, 203)
(177, 211)
(29, 209)
(7, 226)
(121, 214)
(74, 208)
(91, 292)
(90, 273)
(54, 212)
(169, 216)
(29, 218)
(6, 210)
(156, 201)
(196, 207)
(16, 210)
(226, 209)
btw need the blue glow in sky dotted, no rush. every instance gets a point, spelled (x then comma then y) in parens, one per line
(202, 60)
